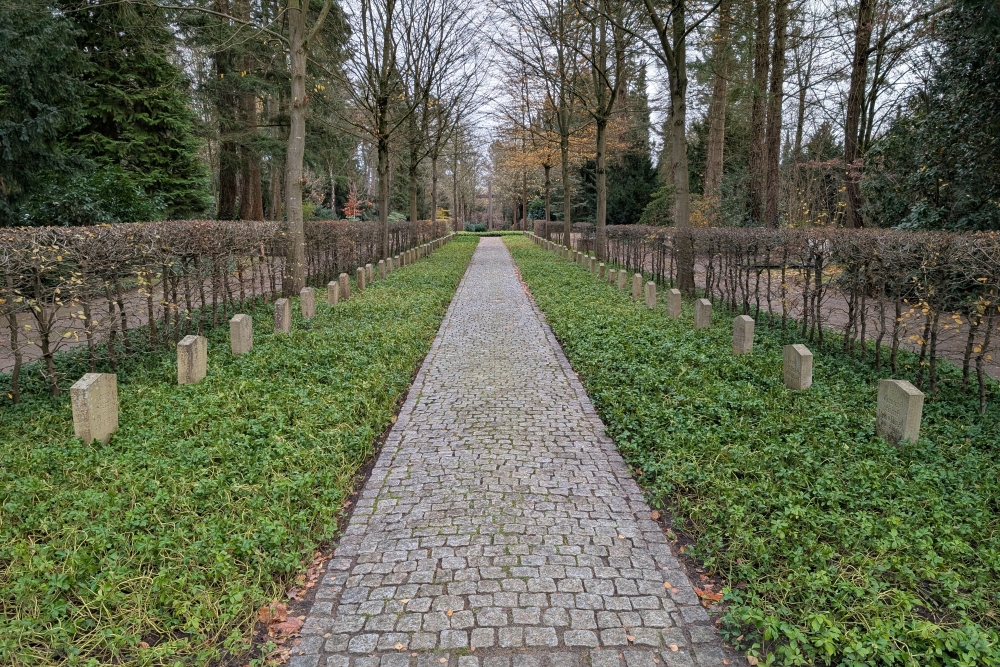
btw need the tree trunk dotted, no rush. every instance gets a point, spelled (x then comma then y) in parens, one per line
(251, 196)
(678, 117)
(434, 187)
(294, 277)
(774, 106)
(761, 55)
(273, 106)
(548, 195)
(524, 201)
(567, 205)
(717, 110)
(383, 193)
(855, 101)
(601, 178)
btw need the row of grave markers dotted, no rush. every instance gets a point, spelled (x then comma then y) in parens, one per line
(94, 397)
(899, 404)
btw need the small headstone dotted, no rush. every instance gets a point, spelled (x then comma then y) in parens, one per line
(900, 406)
(332, 293)
(369, 274)
(702, 314)
(743, 334)
(95, 406)
(307, 302)
(360, 277)
(600, 270)
(381, 269)
(637, 286)
(282, 316)
(651, 294)
(192, 359)
(622, 278)
(345, 285)
(241, 334)
(797, 366)
(674, 302)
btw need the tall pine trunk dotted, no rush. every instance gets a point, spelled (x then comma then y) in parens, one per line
(855, 101)
(758, 166)
(774, 106)
(294, 277)
(717, 111)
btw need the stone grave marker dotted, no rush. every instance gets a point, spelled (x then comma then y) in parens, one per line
(702, 314)
(307, 302)
(797, 366)
(345, 285)
(241, 334)
(743, 334)
(282, 316)
(95, 406)
(192, 359)
(651, 294)
(674, 302)
(898, 412)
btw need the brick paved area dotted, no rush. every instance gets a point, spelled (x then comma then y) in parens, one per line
(499, 527)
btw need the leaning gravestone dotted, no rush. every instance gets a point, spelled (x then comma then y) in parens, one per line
(332, 292)
(95, 406)
(702, 314)
(743, 334)
(240, 334)
(674, 303)
(282, 316)
(797, 366)
(192, 359)
(307, 302)
(345, 285)
(651, 294)
(900, 406)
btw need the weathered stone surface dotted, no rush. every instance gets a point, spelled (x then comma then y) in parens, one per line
(192, 359)
(743, 326)
(282, 316)
(674, 303)
(333, 293)
(702, 314)
(651, 294)
(498, 516)
(369, 274)
(345, 286)
(898, 412)
(359, 279)
(637, 286)
(797, 366)
(241, 334)
(95, 406)
(381, 269)
(601, 270)
(622, 278)
(307, 302)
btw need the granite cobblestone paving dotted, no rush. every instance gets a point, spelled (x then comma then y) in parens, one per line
(499, 526)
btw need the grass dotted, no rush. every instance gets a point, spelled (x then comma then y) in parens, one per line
(838, 548)
(211, 497)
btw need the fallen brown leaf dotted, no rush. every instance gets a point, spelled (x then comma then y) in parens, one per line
(673, 647)
(655, 515)
(275, 612)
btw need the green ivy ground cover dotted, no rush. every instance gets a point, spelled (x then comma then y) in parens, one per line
(210, 497)
(839, 548)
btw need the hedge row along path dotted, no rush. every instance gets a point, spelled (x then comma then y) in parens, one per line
(499, 526)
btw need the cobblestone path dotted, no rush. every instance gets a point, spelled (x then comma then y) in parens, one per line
(499, 527)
